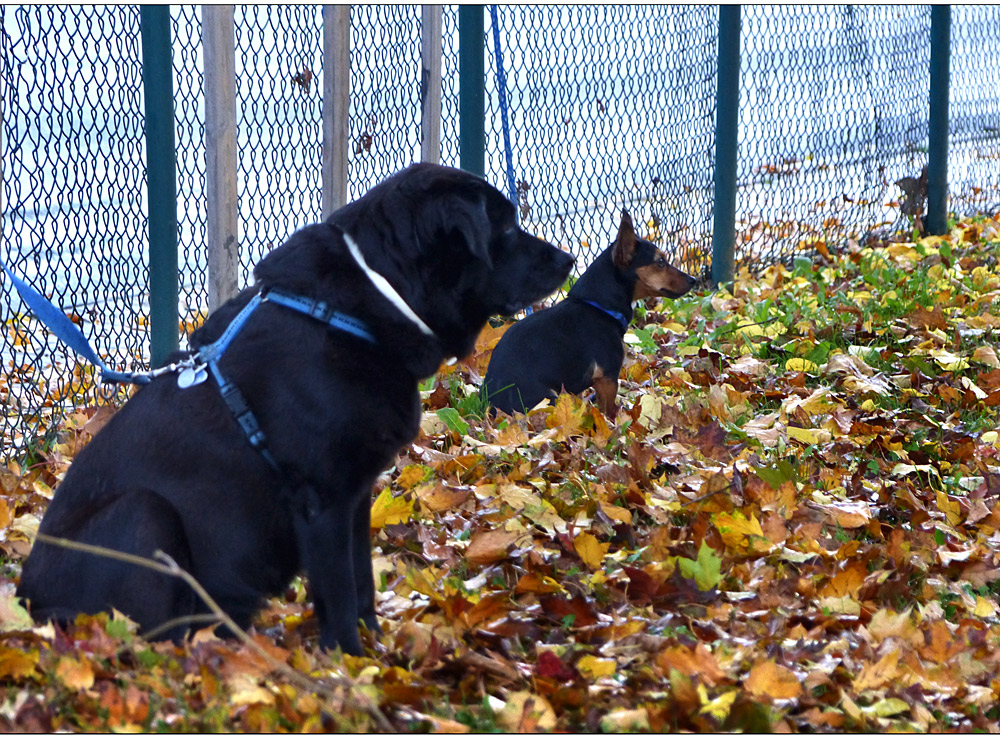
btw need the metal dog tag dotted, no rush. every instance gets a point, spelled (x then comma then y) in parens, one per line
(191, 376)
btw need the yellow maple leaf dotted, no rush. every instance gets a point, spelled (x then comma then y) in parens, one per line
(595, 667)
(809, 436)
(800, 364)
(389, 510)
(951, 509)
(15, 663)
(719, 707)
(736, 529)
(567, 417)
(590, 550)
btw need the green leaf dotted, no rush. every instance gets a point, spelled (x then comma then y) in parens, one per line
(706, 571)
(778, 474)
(453, 420)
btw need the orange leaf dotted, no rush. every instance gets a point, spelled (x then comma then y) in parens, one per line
(876, 675)
(771, 680)
(75, 674)
(845, 583)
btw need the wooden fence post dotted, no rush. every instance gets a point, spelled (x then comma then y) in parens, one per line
(221, 199)
(336, 105)
(430, 84)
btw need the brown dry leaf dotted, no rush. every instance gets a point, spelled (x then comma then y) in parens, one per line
(487, 547)
(436, 497)
(923, 318)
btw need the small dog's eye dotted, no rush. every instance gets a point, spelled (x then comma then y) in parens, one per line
(661, 262)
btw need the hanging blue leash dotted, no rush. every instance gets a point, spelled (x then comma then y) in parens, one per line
(67, 331)
(502, 92)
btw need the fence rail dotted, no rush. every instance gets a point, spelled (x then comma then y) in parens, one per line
(825, 113)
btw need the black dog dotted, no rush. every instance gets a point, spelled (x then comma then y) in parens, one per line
(577, 343)
(246, 487)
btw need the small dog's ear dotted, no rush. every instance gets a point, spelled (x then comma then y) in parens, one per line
(625, 243)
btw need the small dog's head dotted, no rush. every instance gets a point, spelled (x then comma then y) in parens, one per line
(654, 276)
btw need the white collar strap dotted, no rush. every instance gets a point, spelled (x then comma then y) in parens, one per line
(383, 285)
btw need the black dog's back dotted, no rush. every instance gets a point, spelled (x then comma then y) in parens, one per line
(577, 343)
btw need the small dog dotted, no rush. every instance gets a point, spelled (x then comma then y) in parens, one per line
(258, 460)
(577, 343)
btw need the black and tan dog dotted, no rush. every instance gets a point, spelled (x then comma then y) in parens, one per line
(577, 343)
(258, 459)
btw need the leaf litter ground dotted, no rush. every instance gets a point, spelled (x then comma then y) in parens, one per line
(792, 524)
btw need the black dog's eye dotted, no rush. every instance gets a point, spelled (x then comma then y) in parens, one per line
(661, 262)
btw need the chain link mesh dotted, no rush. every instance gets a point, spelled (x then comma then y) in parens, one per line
(833, 110)
(74, 211)
(974, 110)
(608, 107)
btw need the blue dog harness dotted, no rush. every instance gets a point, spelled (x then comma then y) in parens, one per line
(196, 368)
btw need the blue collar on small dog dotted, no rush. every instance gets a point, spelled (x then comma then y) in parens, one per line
(613, 313)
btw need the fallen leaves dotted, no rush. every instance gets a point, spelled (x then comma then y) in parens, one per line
(790, 525)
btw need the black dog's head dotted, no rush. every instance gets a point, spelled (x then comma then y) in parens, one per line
(653, 275)
(446, 241)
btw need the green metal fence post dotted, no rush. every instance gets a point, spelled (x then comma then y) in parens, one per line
(472, 88)
(727, 105)
(937, 148)
(161, 180)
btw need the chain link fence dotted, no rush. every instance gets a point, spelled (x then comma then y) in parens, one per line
(974, 110)
(833, 111)
(611, 106)
(74, 213)
(608, 107)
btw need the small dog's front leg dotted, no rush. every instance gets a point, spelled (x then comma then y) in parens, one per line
(606, 389)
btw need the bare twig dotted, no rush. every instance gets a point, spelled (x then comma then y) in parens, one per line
(168, 566)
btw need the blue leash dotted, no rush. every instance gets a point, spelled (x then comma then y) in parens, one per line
(502, 92)
(67, 331)
(195, 369)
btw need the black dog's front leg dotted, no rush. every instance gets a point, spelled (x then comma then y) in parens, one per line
(361, 553)
(326, 540)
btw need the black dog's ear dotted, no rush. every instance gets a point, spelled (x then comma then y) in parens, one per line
(625, 243)
(467, 218)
